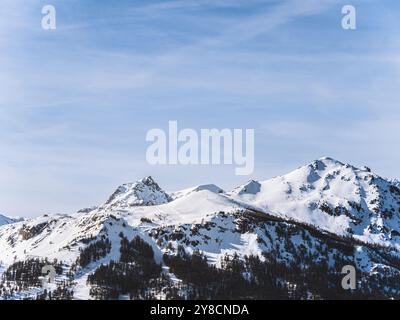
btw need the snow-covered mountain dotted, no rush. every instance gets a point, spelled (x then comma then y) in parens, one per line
(332, 196)
(324, 214)
(145, 192)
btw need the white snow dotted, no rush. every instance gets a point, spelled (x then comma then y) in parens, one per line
(300, 194)
(144, 192)
(326, 194)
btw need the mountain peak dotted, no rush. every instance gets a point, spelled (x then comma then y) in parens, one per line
(250, 187)
(209, 187)
(328, 159)
(204, 187)
(328, 163)
(324, 162)
(144, 192)
(148, 181)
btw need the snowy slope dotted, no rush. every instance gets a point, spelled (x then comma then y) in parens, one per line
(190, 207)
(184, 192)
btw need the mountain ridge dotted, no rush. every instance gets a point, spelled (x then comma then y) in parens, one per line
(314, 211)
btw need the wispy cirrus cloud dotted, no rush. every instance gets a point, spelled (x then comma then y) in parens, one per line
(75, 104)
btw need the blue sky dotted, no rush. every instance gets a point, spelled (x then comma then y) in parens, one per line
(76, 103)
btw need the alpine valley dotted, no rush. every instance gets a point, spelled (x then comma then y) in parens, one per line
(288, 237)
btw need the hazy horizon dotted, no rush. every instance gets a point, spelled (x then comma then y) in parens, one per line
(221, 185)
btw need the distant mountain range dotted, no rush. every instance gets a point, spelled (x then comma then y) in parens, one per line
(286, 237)
(7, 220)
